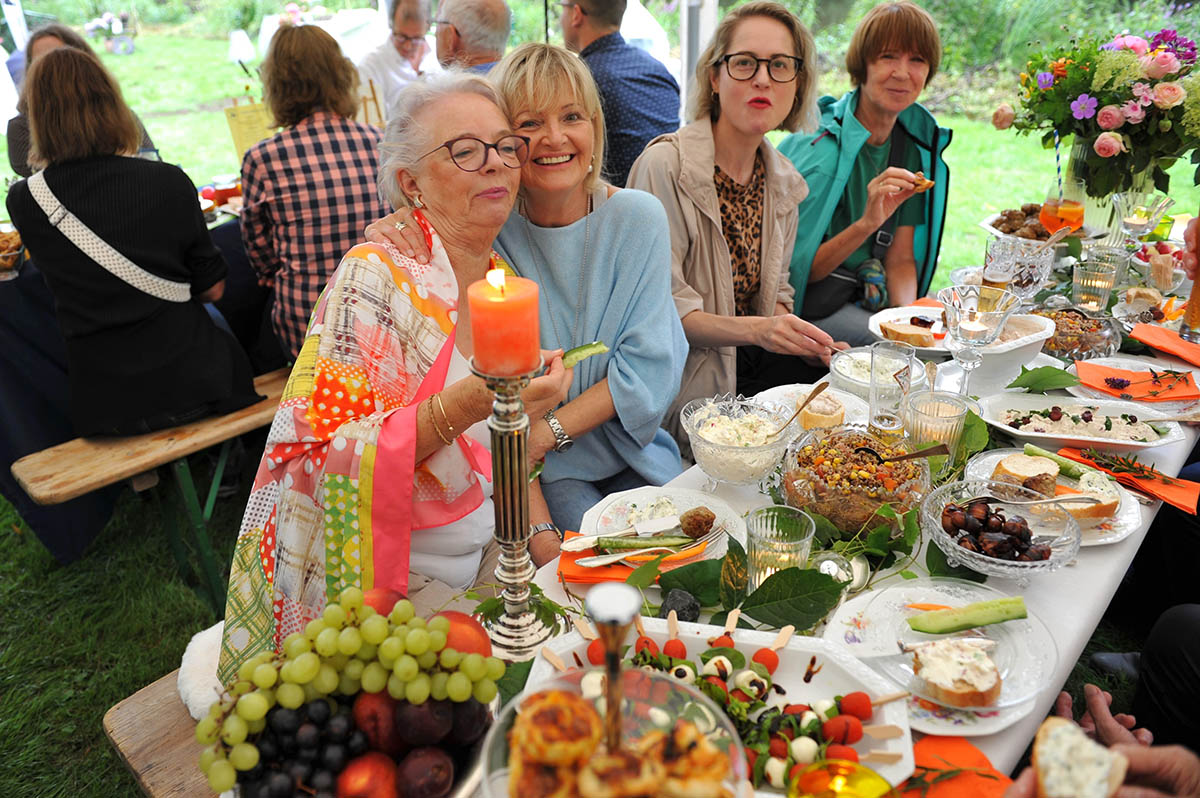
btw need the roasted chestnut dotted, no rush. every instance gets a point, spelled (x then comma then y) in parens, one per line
(978, 510)
(969, 544)
(973, 525)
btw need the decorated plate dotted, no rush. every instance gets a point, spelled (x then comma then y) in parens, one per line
(996, 405)
(1129, 364)
(857, 410)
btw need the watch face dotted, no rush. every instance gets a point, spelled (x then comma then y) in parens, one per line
(562, 446)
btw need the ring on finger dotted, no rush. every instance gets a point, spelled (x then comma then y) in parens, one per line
(399, 226)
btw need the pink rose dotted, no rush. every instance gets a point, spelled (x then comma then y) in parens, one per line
(1110, 117)
(1134, 112)
(1137, 44)
(1160, 64)
(1109, 144)
(1002, 117)
(1168, 95)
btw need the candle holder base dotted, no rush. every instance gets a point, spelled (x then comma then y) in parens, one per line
(517, 637)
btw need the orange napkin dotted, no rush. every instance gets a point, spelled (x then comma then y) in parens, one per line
(568, 570)
(927, 302)
(1181, 493)
(1141, 385)
(1167, 341)
(948, 753)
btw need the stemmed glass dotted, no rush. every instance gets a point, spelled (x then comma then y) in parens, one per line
(975, 317)
(1140, 212)
(1064, 205)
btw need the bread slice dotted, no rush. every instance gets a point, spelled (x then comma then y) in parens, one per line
(1097, 486)
(921, 184)
(1144, 293)
(823, 411)
(958, 671)
(1036, 473)
(1070, 765)
(908, 333)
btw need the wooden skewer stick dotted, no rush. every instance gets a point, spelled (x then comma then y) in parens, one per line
(554, 660)
(584, 628)
(889, 698)
(781, 639)
(637, 622)
(732, 619)
(882, 757)
(672, 625)
(883, 732)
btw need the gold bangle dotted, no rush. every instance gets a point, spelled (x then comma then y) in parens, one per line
(445, 417)
(433, 421)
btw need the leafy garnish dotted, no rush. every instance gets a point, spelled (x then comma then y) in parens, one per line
(793, 596)
(1042, 379)
(701, 579)
(937, 565)
(512, 682)
(644, 575)
(734, 575)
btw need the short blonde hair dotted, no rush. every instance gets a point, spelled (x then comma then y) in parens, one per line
(76, 110)
(305, 72)
(704, 101)
(539, 77)
(901, 25)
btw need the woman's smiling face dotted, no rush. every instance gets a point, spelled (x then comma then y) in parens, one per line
(561, 144)
(895, 79)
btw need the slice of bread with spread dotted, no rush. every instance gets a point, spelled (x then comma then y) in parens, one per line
(823, 411)
(1070, 765)
(958, 672)
(907, 333)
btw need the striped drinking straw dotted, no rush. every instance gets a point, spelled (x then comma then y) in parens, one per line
(1058, 163)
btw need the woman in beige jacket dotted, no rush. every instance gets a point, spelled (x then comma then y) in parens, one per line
(731, 200)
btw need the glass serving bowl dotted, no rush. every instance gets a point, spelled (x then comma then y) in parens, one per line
(653, 703)
(835, 490)
(1079, 334)
(850, 371)
(732, 463)
(1049, 524)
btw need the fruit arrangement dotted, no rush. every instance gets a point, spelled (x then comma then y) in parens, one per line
(369, 700)
(1159, 248)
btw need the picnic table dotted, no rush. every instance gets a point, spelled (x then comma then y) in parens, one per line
(1070, 601)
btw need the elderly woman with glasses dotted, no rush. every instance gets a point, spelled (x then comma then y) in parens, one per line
(601, 258)
(376, 472)
(731, 201)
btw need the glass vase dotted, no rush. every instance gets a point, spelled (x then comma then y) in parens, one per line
(1099, 214)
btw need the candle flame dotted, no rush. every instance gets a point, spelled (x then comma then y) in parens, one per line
(496, 278)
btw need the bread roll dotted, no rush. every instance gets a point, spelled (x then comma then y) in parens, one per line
(1144, 293)
(1070, 765)
(1036, 473)
(908, 333)
(824, 411)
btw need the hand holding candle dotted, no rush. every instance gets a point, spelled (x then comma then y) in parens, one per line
(504, 324)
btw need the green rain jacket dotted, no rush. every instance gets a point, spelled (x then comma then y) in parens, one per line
(824, 158)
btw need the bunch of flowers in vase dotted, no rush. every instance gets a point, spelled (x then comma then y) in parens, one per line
(1133, 101)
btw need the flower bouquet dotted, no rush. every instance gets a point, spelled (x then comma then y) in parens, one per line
(1134, 102)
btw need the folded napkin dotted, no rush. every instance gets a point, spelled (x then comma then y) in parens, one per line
(1181, 493)
(1167, 341)
(927, 302)
(1141, 385)
(978, 778)
(568, 570)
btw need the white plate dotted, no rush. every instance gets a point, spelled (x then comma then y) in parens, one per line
(1123, 523)
(1025, 654)
(838, 674)
(874, 324)
(614, 510)
(950, 374)
(1129, 364)
(993, 406)
(851, 627)
(857, 410)
(1122, 311)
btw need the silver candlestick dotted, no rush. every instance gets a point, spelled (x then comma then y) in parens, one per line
(517, 634)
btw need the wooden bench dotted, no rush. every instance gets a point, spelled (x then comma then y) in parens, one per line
(155, 737)
(80, 466)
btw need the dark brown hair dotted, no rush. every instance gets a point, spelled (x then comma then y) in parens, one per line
(66, 35)
(76, 110)
(305, 72)
(901, 25)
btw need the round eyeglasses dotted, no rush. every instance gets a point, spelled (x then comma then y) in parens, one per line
(470, 154)
(744, 66)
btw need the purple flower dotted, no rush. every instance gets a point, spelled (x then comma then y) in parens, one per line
(1084, 107)
(1045, 80)
(1116, 383)
(1169, 39)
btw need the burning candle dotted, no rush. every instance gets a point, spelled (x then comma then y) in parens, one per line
(504, 324)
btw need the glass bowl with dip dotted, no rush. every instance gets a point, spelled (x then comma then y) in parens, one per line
(734, 439)
(850, 371)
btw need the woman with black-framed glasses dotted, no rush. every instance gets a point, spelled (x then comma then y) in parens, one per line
(731, 202)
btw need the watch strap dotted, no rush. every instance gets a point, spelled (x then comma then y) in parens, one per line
(535, 529)
(561, 439)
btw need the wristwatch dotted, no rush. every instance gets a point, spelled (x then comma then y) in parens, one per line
(534, 529)
(563, 441)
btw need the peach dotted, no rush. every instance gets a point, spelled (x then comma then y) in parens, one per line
(372, 775)
(466, 635)
(375, 714)
(381, 599)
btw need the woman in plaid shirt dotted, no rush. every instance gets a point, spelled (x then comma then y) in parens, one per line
(309, 189)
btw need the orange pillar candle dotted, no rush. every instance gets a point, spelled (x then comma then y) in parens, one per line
(504, 324)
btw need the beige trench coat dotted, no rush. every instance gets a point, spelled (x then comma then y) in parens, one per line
(678, 169)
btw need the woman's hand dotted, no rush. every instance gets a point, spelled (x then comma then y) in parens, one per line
(1099, 723)
(1191, 248)
(1159, 771)
(549, 390)
(885, 193)
(401, 230)
(788, 334)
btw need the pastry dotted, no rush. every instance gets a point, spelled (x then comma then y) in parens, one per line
(921, 184)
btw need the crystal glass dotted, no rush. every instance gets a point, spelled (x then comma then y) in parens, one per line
(839, 778)
(1092, 284)
(1139, 212)
(777, 538)
(932, 417)
(1064, 205)
(1049, 524)
(893, 364)
(1189, 328)
(744, 463)
(1118, 257)
(975, 316)
(1018, 265)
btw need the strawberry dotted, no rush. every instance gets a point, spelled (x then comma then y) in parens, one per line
(1163, 247)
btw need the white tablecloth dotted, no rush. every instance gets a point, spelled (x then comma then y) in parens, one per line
(1070, 601)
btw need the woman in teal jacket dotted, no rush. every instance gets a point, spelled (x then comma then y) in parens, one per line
(867, 239)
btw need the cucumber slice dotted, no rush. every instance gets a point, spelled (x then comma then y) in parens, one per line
(574, 356)
(648, 542)
(981, 613)
(1068, 468)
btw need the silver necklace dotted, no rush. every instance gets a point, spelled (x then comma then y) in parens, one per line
(587, 223)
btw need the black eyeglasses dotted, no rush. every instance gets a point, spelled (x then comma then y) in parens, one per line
(406, 41)
(470, 154)
(744, 66)
(445, 22)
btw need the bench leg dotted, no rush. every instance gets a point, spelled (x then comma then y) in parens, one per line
(170, 519)
(210, 578)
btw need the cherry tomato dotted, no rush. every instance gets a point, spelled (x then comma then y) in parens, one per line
(675, 648)
(724, 641)
(858, 704)
(842, 729)
(645, 643)
(595, 652)
(778, 747)
(841, 752)
(767, 658)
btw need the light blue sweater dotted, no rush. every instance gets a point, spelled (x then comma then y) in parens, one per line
(627, 304)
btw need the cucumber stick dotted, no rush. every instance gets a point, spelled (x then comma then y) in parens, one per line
(633, 544)
(1068, 468)
(981, 613)
(572, 357)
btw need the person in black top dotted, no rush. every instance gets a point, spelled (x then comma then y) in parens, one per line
(136, 362)
(639, 97)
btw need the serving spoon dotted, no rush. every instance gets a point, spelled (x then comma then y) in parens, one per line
(816, 391)
(932, 451)
(1052, 500)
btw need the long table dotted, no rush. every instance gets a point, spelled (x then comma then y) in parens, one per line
(1070, 601)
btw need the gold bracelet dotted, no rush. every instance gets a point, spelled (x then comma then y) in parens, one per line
(433, 421)
(445, 417)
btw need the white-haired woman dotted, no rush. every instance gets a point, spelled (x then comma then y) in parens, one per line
(369, 477)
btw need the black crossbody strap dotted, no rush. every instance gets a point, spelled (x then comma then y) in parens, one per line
(886, 233)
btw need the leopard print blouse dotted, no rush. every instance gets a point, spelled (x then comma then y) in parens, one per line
(742, 224)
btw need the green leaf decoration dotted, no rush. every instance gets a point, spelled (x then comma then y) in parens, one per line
(701, 579)
(513, 681)
(912, 527)
(907, 574)
(793, 596)
(825, 532)
(734, 575)
(736, 658)
(1043, 378)
(974, 437)
(644, 575)
(937, 565)
(1074, 246)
